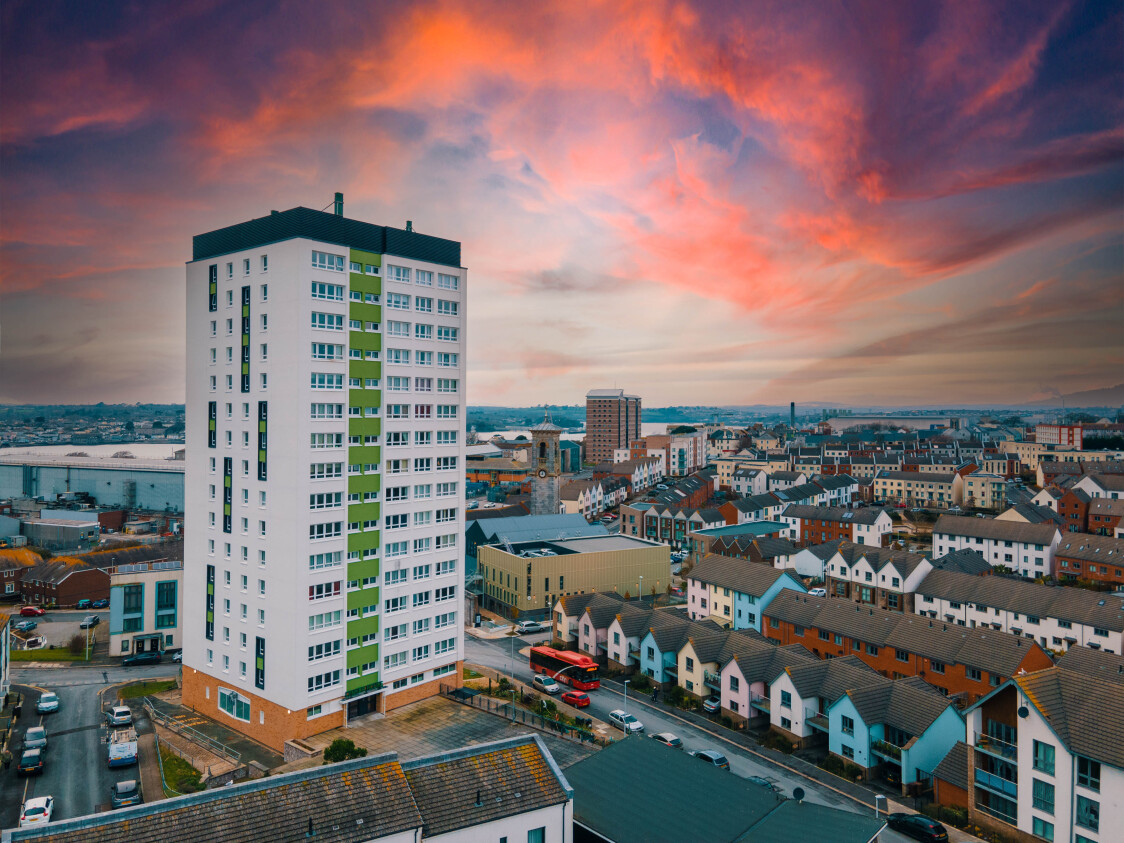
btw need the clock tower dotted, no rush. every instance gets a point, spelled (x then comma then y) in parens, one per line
(546, 466)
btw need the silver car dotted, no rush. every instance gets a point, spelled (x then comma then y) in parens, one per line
(119, 715)
(47, 703)
(35, 738)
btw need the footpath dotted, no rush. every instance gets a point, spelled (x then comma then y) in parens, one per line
(862, 794)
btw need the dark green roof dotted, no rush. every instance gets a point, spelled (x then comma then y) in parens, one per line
(623, 794)
(327, 228)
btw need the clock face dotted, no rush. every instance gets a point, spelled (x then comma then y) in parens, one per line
(542, 472)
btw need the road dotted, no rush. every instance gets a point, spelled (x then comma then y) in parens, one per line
(497, 655)
(75, 770)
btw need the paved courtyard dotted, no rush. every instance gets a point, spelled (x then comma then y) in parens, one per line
(437, 725)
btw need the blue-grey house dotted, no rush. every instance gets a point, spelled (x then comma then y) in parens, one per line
(735, 592)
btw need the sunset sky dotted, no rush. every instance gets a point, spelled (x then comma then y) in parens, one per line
(719, 203)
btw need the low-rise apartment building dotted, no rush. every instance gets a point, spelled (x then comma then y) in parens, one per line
(916, 488)
(735, 592)
(702, 542)
(875, 576)
(144, 606)
(748, 481)
(809, 525)
(1105, 515)
(1057, 618)
(667, 524)
(956, 659)
(526, 579)
(1027, 549)
(1045, 753)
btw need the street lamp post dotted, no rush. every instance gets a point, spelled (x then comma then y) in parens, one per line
(626, 732)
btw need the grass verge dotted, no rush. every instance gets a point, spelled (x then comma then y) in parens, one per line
(58, 654)
(143, 689)
(179, 776)
(469, 673)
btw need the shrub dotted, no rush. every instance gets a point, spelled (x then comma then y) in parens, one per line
(342, 749)
(676, 696)
(777, 741)
(77, 645)
(640, 682)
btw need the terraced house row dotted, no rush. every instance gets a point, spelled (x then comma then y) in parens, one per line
(324, 481)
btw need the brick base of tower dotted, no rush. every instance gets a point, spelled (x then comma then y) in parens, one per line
(270, 724)
(544, 495)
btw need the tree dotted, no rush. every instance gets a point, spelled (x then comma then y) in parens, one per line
(129, 426)
(342, 749)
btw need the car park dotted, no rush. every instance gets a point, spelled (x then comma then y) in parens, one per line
(712, 703)
(48, 703)
(523, 627)
(35, 738)
(100, 604)
(31, 612)
(89, 622)
(712, 757)
(31, 763)
(37, 810)
(625, 722)
(119, 715)
(546, 684)
(152, 657)
(817, 592)
(126, 793)
(84, 604)
(918, 827)
(668, 739)
(578, 699)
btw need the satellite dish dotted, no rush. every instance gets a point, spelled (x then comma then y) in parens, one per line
(798, 794)
(1024, 712)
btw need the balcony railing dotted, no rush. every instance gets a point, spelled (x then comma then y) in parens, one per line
(995, 812)
(995, 746)
(672, 669)
(886, 750)
(712, 680)
(997, 784)
(816, 720)
(759, 702)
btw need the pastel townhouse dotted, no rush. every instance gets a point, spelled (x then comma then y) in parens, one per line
(799, 696)
(745, 678)
(735, 592)
(660, 646)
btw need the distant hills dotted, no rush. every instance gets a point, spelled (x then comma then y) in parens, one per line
(1109, 396)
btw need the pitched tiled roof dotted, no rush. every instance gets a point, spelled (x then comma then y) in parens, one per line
(907, 704)
(482, 784)
(1086, 660)
(921, 476)
(965, 561)
(574, 605)
(1033, 513)
(765, 664)
(954, 766)
(707, 647)
(877, 557)
(842, 514)
(1076, 605)
(741, 575)
(826, 550)
(991, 528)
(996, 652)
(1092, 548)
(601, 610)
(832, 678)
(1107, 506)
(1081, 709)
(771, 548)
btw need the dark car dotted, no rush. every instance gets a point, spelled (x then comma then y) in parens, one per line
(152, 657)
(918, 827)
(126, 793)
(100, 604)
(84, 604)
(31, 763)
(25, 626)
(761, 781)
(89, 622)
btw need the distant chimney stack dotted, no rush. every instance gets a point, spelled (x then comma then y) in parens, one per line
(409, 225)
(339, 205)
(792, 414)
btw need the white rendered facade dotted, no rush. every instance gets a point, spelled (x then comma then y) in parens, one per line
(337, 582)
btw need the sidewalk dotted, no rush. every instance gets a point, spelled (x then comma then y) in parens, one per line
(168, 703)
(860, 793)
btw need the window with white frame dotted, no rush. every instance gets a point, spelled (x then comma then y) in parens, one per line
(323, 260)
(327, 321)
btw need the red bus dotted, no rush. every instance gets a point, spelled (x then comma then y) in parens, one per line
(578, 670)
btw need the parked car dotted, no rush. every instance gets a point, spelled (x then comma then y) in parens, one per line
(817, 592)
(918, 827)
(25, 626)
(955, 509)
(625, 722)
(668, 739)
(546, 684)
(151, 657)
(676, 591)
(126, 793)
(119, 715)
(712, 703)
(37, 810)
(899, 506)
(84, 604)
(35, 738)
(761, 781)
(578, 699)
(31, 612)
(523, 627)
(89, 622)
(31, 763)
(48, 703)
(100, 604)
(175, 654)
(713, 757)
